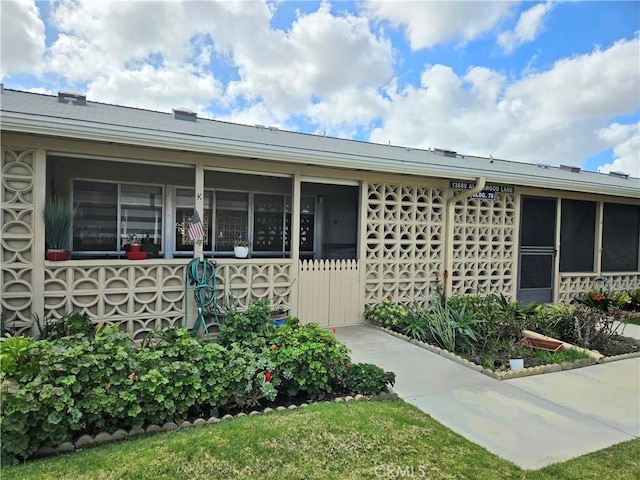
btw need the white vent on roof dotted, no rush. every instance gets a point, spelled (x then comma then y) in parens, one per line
(619, 174)
(72, 98)
(445, 151)
(570, 168)
(185, 114)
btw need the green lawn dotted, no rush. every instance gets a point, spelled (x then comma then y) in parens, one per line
(325, 441)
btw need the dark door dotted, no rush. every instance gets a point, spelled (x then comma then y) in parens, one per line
(537, 250)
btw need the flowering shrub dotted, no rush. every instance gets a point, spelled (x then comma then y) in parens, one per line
(387, 314)
(604, 300)
(54, 390)
(595, 299)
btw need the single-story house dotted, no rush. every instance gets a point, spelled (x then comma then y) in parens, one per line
(334, 225)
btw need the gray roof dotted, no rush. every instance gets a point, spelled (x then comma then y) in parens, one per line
(44, 114)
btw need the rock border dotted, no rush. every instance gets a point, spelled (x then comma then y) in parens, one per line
(509, 374)
(87, 441)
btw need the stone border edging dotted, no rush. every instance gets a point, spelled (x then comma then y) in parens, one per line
(509, 374)
(87, 441)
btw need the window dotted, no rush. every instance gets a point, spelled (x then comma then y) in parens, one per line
(106, 212)
(185, 205)
(270, 223)
(620, 232)
(577, 236)
(232, 219)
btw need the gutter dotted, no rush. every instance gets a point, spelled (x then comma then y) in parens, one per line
(448, 236)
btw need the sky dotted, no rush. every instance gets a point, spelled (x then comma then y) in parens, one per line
(540, 82)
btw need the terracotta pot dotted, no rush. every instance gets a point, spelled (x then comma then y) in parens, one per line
(58, 255)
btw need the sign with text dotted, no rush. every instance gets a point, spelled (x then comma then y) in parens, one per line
(464, 185)
(484, 195)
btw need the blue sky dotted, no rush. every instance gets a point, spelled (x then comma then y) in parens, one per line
(542, 82)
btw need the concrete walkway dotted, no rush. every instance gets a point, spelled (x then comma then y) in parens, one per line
(531, 421)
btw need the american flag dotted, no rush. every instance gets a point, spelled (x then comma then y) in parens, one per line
(195, 229)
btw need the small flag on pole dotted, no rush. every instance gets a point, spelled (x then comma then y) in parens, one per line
(195, 229)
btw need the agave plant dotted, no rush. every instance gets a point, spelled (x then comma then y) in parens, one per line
(58, 217)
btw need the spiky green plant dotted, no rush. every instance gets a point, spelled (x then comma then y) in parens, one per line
(58, 217)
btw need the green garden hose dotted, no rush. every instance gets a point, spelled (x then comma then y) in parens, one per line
(200, 276)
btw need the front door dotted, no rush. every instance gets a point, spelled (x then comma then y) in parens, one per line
(537, 250)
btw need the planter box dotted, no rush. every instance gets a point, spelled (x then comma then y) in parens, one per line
(58, 255)
(542, 344)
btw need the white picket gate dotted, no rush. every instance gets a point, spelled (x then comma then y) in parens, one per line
(329, 292)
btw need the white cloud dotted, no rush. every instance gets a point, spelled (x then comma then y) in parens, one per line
(319, 58)
(22, 41)
(529, 26)
(156, 88)
(546, 117)
(128, 53)
(625, 141)
(428, 24)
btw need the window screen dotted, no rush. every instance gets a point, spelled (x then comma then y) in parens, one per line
(577, 236)
(620, 232)
(538, 222)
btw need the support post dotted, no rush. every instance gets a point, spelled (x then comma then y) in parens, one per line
(295, 244)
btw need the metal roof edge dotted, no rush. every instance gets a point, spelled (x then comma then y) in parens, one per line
(434, 166)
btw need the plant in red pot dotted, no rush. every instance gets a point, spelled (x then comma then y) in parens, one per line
(58, 215)
(132, 244)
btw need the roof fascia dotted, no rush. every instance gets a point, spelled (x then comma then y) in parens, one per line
(436, 166)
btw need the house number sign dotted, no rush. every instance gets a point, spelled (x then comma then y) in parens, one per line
(462, 185)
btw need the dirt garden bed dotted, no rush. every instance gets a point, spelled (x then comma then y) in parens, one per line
(485, 332)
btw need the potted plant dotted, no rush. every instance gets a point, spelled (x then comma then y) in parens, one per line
(241, 247)
(132, 242)
(58, 215)
(279, 315)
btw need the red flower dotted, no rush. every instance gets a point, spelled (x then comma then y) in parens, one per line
(268, 377)
(132, 376)
(274, 346)
(597, 297)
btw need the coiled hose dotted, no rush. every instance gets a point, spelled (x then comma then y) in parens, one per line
(200, 276)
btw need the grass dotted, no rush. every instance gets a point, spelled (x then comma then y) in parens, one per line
(324, 441)
(565, 355)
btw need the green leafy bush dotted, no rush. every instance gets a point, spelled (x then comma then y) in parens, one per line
(56, 389)
(16, 359)
(72, 324)
(307, 360)
(366, 379)
(417, 325)
(251, 327)
(387, 314)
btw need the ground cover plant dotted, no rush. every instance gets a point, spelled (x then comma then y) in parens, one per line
(323, 441)
(79, 381)
(486, 329)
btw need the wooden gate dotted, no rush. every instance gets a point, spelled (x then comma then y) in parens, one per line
(329, 292)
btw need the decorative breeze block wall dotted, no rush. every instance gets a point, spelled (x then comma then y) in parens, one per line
(142, 297)
(17, 210)
(405, 244)
(575, 284)
(485, 244)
